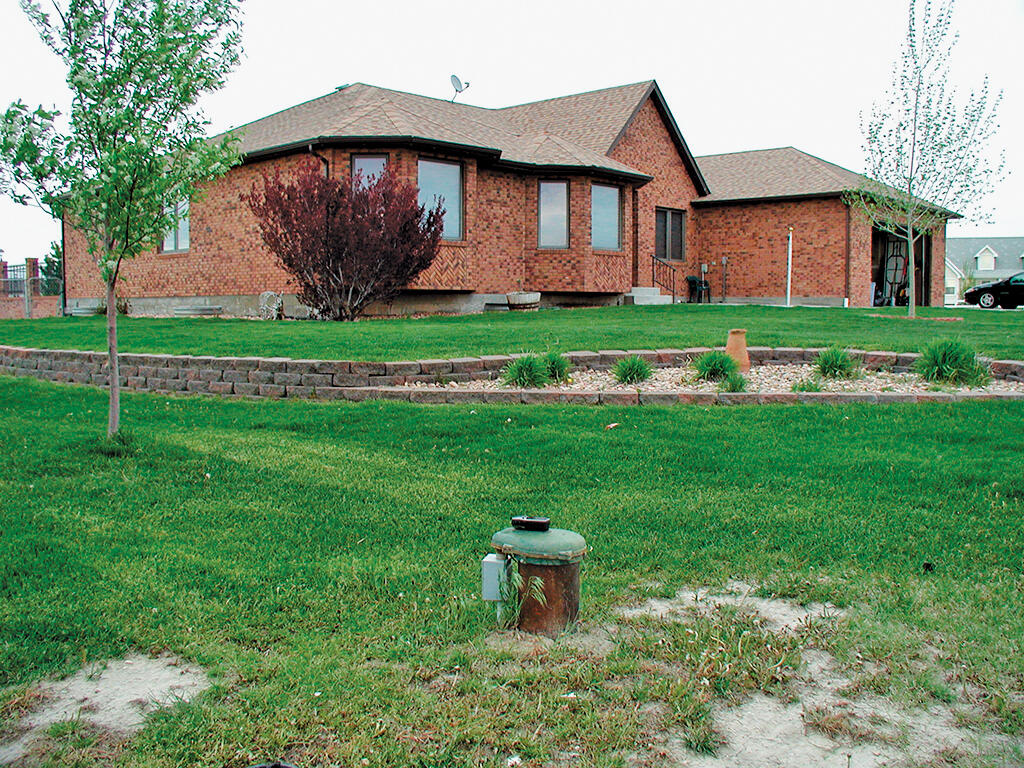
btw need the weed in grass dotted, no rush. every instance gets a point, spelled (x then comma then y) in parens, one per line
(835, 724)
(835, 363)
(527, 372)
(632, 370)
(810, 384)
(557, 366)
(951, 361)
(715, 366)
(734, 382)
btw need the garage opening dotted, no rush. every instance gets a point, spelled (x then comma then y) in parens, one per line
(890, 270)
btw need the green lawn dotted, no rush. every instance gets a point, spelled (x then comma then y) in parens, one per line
(996, 333)
(300, 547)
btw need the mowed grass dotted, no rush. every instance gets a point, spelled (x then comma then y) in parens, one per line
(996, 333)
(322, 560)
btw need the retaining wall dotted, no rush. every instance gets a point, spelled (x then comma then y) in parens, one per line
(362, 380)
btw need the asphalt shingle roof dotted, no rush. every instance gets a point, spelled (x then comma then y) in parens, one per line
(1009, 255)
(767, 173)
(574, 131)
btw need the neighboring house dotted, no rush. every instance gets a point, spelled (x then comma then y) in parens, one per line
(974, 260)
(573, 197)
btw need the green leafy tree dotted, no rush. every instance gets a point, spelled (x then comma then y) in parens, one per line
(52, 271)
(927, 149)
(134, 142)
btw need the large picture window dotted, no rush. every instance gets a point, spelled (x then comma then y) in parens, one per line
(605, 218)
(553, 214)
(443, 180)
(670, 234)
(177, 237)
(369, 166)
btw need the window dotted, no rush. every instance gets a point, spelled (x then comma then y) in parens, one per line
(553, 214)
(176, 239)
(370, 166)
(439, 180)
(669, 234)
(604, 217)
(985, 259)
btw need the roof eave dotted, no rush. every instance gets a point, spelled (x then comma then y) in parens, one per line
(768, 199)
(699, 182)
(804, 196)
(542, 168)
(334, 141)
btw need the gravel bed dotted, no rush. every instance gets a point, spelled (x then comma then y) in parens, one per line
(761, 378)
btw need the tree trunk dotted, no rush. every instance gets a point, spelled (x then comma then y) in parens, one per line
(911, 273)
(113, 369)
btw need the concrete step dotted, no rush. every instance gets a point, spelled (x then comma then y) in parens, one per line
(651, 300)
(646, 295)
(645, 290)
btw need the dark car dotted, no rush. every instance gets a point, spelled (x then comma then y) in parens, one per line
(1008, 293)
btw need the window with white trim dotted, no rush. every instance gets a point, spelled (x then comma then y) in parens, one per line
(553, 215)
(442, 180)
(176, 239)
(605, 218)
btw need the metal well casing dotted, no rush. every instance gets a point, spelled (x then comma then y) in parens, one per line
(553, 557)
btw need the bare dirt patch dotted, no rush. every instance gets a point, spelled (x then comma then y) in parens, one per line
(778, 615)
(114, 697)
(823, 725)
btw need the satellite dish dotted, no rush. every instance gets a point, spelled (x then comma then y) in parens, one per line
(458, 85)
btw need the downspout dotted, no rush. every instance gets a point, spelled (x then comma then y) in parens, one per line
(322, 159)
(847, 254)
(63, 268)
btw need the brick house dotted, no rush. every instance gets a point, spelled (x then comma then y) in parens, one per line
(573, 197)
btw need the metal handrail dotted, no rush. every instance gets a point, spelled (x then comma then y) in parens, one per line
(664, 275)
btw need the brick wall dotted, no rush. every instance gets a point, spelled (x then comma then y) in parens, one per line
(754, 236)
(647, 145)
(13, 307)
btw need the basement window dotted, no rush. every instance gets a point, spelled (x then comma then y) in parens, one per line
(440, 180)
(553, 215)
(605, 218)
(177, 238)
(670, 234)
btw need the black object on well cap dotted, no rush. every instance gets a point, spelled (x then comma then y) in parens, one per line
(525, 523)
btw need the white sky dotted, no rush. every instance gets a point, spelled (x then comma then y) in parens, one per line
(737, 74)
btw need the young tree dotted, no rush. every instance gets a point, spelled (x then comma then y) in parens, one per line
(52, 271)
(347, 242)
(926, 150)
(134, 143)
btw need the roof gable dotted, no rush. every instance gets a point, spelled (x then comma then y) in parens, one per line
(1009, 251)
(569, 132)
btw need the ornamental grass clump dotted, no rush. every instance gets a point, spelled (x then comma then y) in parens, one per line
(528, 372)
(734, 382)
(951, 361)
(835, 363)
(715, 366)
(632, 370)
(557, 366)
(811, 384)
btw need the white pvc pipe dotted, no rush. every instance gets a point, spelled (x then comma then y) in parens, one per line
(789, 270)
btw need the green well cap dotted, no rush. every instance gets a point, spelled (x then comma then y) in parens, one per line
(555, 546)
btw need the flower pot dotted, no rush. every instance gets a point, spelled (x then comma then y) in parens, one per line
(523, 300)
(736, 348)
